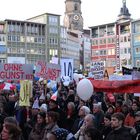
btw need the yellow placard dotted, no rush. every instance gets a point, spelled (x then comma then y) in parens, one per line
(25, 93)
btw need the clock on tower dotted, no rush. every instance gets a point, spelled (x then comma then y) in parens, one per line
(73, 19)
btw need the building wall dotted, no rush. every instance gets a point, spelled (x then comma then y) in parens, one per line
(3, 48)
(52, 22)
(70, 46)
(104, 44)
(124, 33)
(25, 39)
(136, 43)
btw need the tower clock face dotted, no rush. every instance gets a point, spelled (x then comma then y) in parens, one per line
(76, 17)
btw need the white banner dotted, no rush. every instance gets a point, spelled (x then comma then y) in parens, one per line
(116, 77)
(16, 60)
(67, 68)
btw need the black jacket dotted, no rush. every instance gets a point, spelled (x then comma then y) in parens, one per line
(124, 133)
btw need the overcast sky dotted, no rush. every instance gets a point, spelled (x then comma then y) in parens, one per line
(94, 12)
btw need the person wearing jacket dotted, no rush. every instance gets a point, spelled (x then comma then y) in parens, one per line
(39, 128)
(11, 130)
(51, 123)
(120, 132)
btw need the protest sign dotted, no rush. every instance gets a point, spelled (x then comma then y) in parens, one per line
(97, 69)
(16, 71)
(119, 77)
(67, 68)
(25, 92)
(47, 70)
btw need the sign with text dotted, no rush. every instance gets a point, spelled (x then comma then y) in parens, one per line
(97, 69)
(16, 71)
(47, 70)
(67, 68)
(120, 77)
(25, 92)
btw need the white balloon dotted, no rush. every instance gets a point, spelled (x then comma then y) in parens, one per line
(85, 89)
(76, 77)
(66, 80)
(66, 83)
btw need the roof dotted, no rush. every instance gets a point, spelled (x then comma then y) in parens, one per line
(42, 15)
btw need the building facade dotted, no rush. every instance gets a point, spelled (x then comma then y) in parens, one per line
(37, 38)
(135, 28)
(24, 40)
(104, 44)
(70, 46)
(52, 22)
(111, 43)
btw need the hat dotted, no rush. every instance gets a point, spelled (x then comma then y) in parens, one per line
(36, 104)
(43, 107)
(137, 113)
(63, 134)
(54, 101)
(42, 97)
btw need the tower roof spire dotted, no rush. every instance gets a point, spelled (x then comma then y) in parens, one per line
(124, 12)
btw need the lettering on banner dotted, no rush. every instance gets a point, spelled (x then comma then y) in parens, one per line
(15, 71)
(47, 71)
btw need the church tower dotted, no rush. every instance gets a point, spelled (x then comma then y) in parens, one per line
(124, 12)
(73, 19)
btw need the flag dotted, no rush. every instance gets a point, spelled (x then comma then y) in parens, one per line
(54, 96)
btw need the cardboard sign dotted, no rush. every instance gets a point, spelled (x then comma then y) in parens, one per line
(67, 68)
(25, 92)
(16, 71)
(47, 71)
(97, 69)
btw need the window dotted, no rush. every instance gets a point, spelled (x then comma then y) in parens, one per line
(53, 20)
(53, 30)
(129, 50)
(125, 39)
(101, 41)
(125, 50)
(2, 38)
(137, 50)
(137, 63)
(109, 40)
(96, 42)
(104, 41)
(137, 25)
(2, 60)
(75, 7)
(121, 39)
(137, 38)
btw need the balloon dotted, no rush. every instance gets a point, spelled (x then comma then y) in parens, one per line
(85, 89)
(66, 80)
(76, 77)
(66, 83)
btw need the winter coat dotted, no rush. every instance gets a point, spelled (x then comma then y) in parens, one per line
(123, 133)
(49, 128)
(105, 131)
(37, 132)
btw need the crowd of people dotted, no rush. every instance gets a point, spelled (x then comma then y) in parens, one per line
(68, 117)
